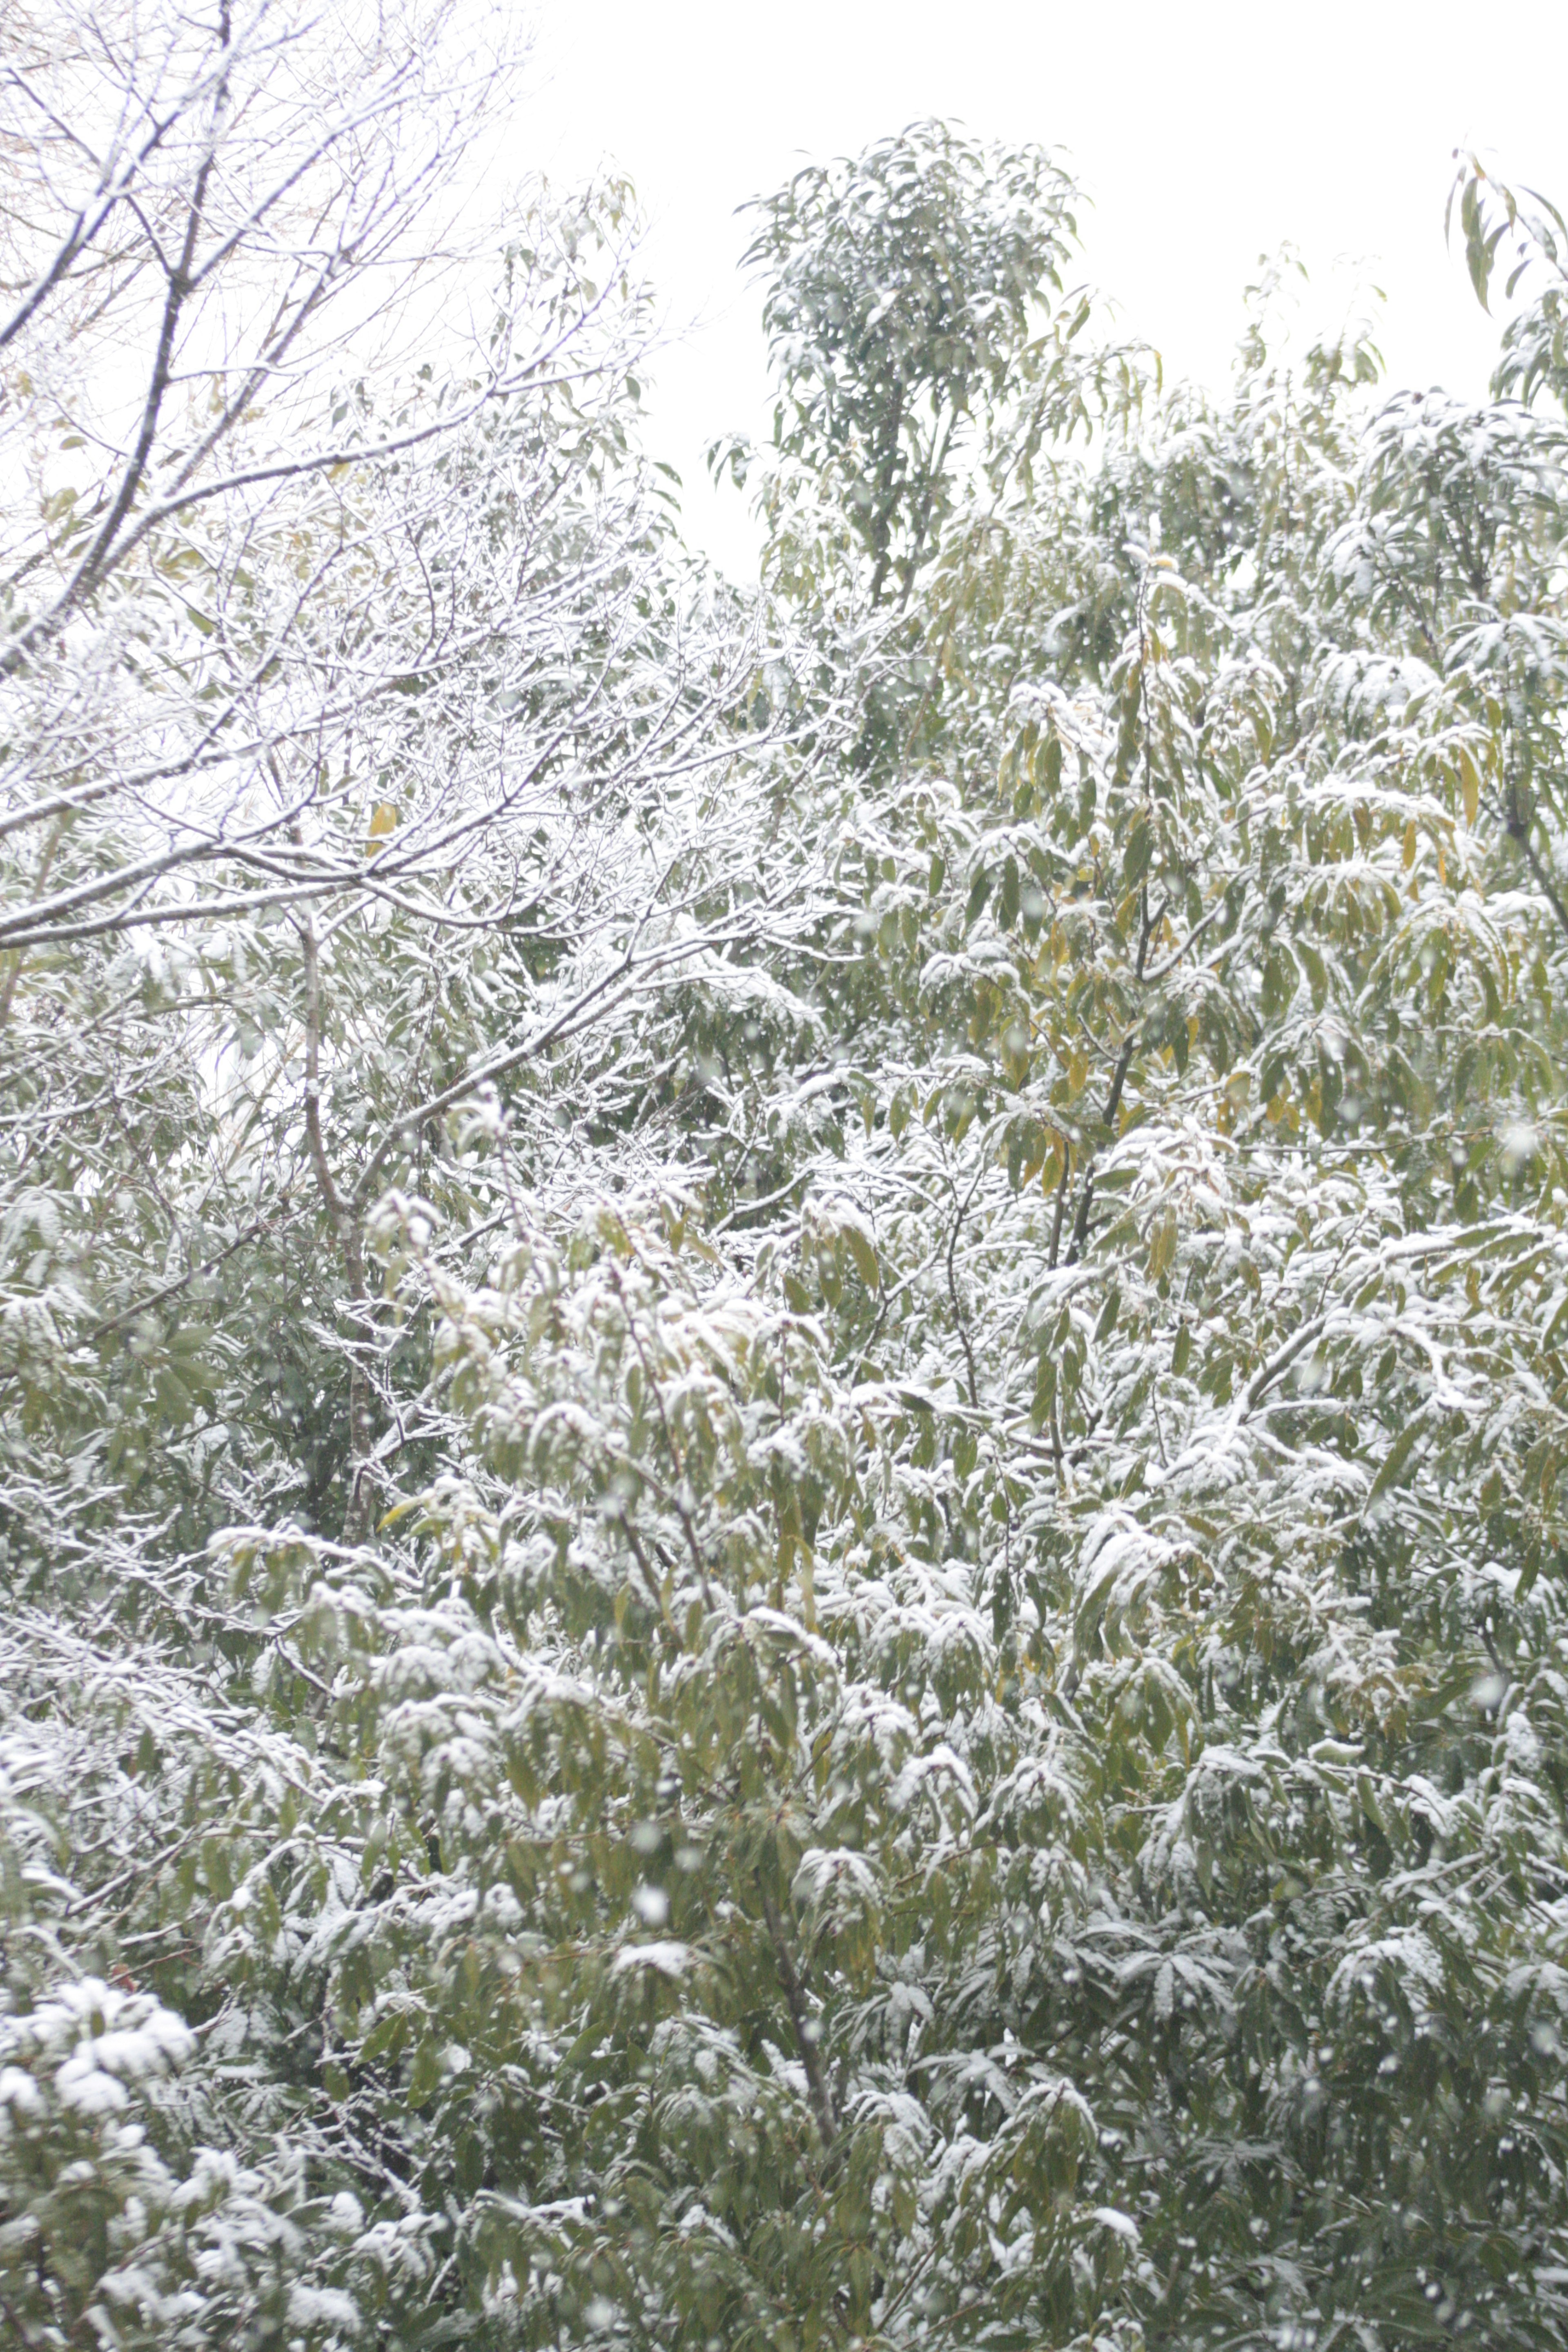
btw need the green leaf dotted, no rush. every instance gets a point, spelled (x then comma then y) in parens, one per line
(1394, 1461)
(424, 2074)
(1139, 853)
(862, 1249)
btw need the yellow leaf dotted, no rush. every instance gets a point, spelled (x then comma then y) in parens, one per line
(1470, 786)
(1163, 1244)
(384, 820)
(1410, 844)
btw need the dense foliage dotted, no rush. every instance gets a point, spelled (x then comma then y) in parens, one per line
(783, 1373)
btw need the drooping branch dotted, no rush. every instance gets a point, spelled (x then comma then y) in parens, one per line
(807, 2033)
(1147, 926)
(345, 1221)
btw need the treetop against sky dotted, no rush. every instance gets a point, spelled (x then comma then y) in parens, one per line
(1205, 136)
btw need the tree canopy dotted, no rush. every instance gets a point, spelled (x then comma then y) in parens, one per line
(782, 1392)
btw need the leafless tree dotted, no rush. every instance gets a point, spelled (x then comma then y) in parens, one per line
(335, 597)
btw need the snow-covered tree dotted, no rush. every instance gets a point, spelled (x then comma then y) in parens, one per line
(782, 1533)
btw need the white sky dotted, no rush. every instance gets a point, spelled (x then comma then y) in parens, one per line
(1206, 132)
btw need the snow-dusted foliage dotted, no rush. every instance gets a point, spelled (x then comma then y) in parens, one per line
(782, 1384)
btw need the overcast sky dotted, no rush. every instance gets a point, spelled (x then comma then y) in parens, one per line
(1207, 133)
